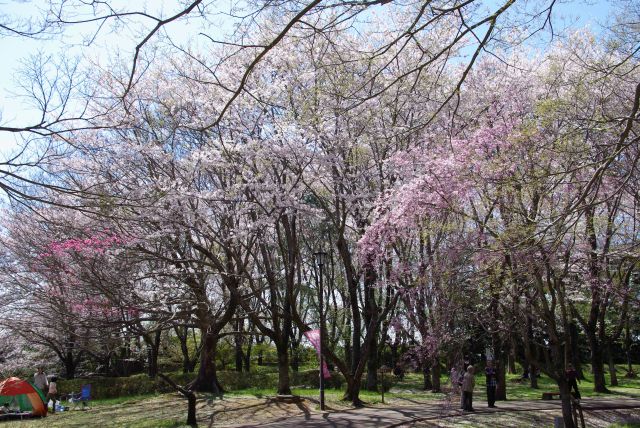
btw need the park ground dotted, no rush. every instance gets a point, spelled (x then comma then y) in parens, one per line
(256, 407)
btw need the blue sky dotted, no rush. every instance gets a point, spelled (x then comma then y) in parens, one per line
(16, 112)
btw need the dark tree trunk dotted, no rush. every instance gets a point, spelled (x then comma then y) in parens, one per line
(372, 368)
(295, 354)
(152, 363)
(207, 379)
(394, 352)
(238, 345)
(575, 350)
(597, 364)
(435, 377)
(426, 375)
(190, 396)
(348, 352)
(567, 408)
(533, 378)
(284, 386)
(247, 355)
(70, 367)
(259, 341)
(612, 367)
(356, 319)
(501, 372)
(370, 311)
(153, 348)
(68, 358)
(191, 410)
(352, 393)
(186, 360)
(627, 343)
(512, 356)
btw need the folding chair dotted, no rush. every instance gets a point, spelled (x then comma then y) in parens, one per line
(83, 397)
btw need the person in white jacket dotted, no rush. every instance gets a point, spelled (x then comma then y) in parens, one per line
(468, 383)
(40, 381)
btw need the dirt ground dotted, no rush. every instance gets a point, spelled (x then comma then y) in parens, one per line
(169, 411)
(593, 419)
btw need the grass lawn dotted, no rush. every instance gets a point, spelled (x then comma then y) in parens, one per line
(411, 388)
(256, 405)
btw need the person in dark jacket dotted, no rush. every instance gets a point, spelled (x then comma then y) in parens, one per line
(492, 383)
(572, 379)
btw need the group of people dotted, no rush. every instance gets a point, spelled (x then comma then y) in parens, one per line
(48, 386)
(463, 383)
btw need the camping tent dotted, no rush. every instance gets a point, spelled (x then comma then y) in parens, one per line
(20, 393)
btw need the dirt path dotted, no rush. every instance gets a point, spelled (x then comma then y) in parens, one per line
(432, 412)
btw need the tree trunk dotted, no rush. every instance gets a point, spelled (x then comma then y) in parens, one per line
(186, 360)
(533, 378)
(191, 410)
(238, 346)
(435, 377)
(284, 387)
(295, 355)
(426, 375)
(597, 365)
(70, 367)
(612, 367)
(207, 379)
(182, 333)
(353, 285)
(348, 354)
(152, 363)
(567, 408)
(153, 347)
(191, 399)
(575, 350)
(372, 368)
(352, 393)
(247, 355)
(259, 341)
(501, 374)
(627, 343)
(512, 357)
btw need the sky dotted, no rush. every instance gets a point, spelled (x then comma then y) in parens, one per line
(16, 111)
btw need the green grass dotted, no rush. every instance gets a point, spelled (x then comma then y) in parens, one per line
(410, 390)
(122, 400)
(516, 390)
(169, 410)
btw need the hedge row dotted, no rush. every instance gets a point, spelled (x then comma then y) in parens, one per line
(112, 387)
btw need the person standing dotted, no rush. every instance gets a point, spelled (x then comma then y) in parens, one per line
(40, 381)
(492, 382)
(572, 379)
(468, 383)
(453, 378)
(53, 393)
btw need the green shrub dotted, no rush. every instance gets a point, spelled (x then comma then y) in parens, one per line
(112, 387)
(311, 379)
(388, 382)
(141, 384)
(233, 381)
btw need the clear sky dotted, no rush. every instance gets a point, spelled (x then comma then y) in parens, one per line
(16, 111)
